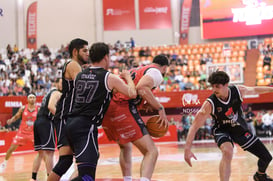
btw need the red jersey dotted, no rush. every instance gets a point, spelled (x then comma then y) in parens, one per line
(136, 74)
(28, 118)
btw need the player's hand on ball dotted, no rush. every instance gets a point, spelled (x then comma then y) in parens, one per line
(163, 118)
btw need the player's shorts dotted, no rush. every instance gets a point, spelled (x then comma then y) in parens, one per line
(22, 139)
(60, 132)
(242, 137)
(82, 135)
(44, 137)
(122, 123)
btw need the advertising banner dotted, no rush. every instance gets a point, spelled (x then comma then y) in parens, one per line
(119, 15)
(185, 17)
(155, 14)
(236, 18)
(32, 26)
(183, 99)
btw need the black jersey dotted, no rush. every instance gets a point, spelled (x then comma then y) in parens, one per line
(44, 111)
(228, 113)
(64, 104)
(91, 94)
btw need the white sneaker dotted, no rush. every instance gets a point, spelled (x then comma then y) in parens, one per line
(3, 166)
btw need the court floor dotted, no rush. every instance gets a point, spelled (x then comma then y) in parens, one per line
(170, 165)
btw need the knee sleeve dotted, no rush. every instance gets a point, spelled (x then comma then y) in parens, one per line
(85, 178)
(263, 154)
(63, 164)
(87, 171)
(264, 161)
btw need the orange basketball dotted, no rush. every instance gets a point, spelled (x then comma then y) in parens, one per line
(154, 128)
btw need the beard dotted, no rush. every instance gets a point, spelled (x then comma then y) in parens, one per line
(81, 59)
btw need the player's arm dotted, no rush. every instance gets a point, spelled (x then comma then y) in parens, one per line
(144, 89)
(198, 122)
(245, 90)
(54, 98)
(117, 84)
(72, 70)
(16, 116)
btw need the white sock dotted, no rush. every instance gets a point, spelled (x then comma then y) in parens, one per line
(127, 178)
(144, 179)
(5, 162)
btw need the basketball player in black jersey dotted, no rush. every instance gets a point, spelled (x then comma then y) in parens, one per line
(44, 137)
(224, 106)
(91, 98)
(78, 50)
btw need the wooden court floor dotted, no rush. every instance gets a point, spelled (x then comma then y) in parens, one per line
(170, 165)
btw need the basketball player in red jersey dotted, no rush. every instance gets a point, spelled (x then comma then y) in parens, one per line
(28, 115)
(123, 124)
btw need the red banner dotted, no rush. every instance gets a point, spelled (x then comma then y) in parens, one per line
(185, 21)
(7, 137)
(32, 26)
(119, 15)
(183, 99)
(155, 14)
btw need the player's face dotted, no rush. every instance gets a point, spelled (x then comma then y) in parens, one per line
(219, 89)
(83, 54)
(31, 99)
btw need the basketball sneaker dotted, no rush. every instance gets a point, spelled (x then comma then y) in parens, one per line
(3, 166)
(262, 177)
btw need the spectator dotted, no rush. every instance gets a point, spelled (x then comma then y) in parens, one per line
(250, 116)
(267, 120)
(118, 45)
(189, 85)
(132, 43)
(184, 60)
(2, 63)
(179, 129)
(203, 59)
(209, 59)
(4, 90)
(186, 123)
(267, 60)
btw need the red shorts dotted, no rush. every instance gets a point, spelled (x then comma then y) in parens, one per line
(122, 123)
(22, 139)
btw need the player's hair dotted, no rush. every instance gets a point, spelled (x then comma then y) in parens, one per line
(31, 93)
(76, 43)
(161, 60)
(98, 51)
(218, 77)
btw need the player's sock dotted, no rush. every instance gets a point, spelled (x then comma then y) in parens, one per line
(127, 178)
(3, 166)
(144, 179)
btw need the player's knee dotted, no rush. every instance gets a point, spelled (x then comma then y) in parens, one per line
(63, 164)
(227, 153)
(153, 151)
(267, 158)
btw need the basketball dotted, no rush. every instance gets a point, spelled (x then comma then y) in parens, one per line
(154, 128)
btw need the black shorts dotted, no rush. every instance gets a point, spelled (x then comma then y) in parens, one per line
(242, 137)
(82, 135)
(44, 137)
(60, 132)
